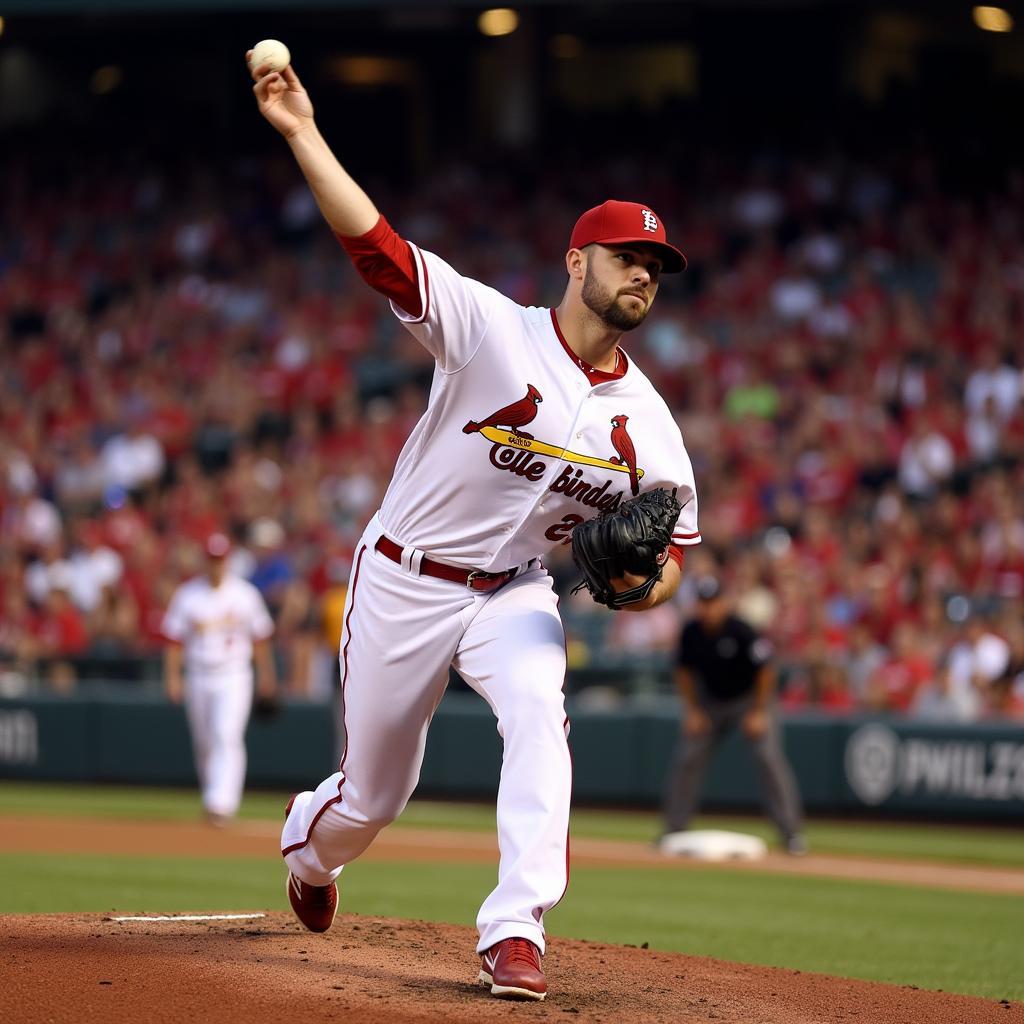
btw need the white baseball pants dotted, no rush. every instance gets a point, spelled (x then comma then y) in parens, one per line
(402, 632)
(217, 707)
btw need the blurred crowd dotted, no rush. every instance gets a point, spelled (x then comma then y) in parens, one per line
(185, 350)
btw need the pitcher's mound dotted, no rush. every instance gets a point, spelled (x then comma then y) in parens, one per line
(89, 967)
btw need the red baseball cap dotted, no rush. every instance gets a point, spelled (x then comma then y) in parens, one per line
(617, 223)
(217, 545)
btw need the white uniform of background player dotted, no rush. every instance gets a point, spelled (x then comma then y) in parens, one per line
(516, 447)
(215, 624)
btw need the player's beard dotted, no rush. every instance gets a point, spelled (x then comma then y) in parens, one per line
(608, 308)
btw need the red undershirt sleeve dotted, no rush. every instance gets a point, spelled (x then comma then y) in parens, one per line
(676, 554)
(385, 262)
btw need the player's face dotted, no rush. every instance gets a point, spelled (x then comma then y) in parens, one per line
(216, 568)
(620, 284)
(712, 613)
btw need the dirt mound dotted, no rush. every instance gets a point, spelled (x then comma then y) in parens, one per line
(88, 967)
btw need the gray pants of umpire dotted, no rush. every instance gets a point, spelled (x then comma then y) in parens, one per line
(779, 792)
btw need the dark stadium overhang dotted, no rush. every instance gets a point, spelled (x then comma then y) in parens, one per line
(105, 7)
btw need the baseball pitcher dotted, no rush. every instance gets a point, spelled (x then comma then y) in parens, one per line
(538, 425)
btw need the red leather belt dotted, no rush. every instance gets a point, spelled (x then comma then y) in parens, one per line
(476, 579)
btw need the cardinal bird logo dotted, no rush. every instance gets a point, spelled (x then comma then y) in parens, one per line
(623, 444)
(513, 416)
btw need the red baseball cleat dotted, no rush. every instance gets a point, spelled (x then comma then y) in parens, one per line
(512, 969)
(314, 905)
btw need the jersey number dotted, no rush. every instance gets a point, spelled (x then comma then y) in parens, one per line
(562, 531)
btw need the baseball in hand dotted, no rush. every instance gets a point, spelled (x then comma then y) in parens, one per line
(271, 52)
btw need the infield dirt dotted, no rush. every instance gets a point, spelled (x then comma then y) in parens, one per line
(36, 834)
(89, 967)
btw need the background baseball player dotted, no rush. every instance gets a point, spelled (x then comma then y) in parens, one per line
(448, 571)
(216, 625)
(726, 680)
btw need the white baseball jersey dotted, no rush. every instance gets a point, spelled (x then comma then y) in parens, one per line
(517, 445)
(217, 625)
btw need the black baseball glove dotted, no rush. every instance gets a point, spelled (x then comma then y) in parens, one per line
(632, 538)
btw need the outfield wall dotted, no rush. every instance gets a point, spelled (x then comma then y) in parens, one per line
(891, 766)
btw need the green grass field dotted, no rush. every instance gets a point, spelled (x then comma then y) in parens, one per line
(964, 844)
(957, 941)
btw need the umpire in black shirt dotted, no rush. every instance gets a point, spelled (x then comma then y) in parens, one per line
(726, 679)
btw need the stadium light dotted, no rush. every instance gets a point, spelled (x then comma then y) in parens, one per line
(993, 19)
(498, 21)
(370, 71)
(105, 80)
(566, 47)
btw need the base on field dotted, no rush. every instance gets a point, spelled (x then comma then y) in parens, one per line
(713, 844)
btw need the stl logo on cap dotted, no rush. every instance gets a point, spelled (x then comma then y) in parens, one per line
(616, 222)
(217, 545)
